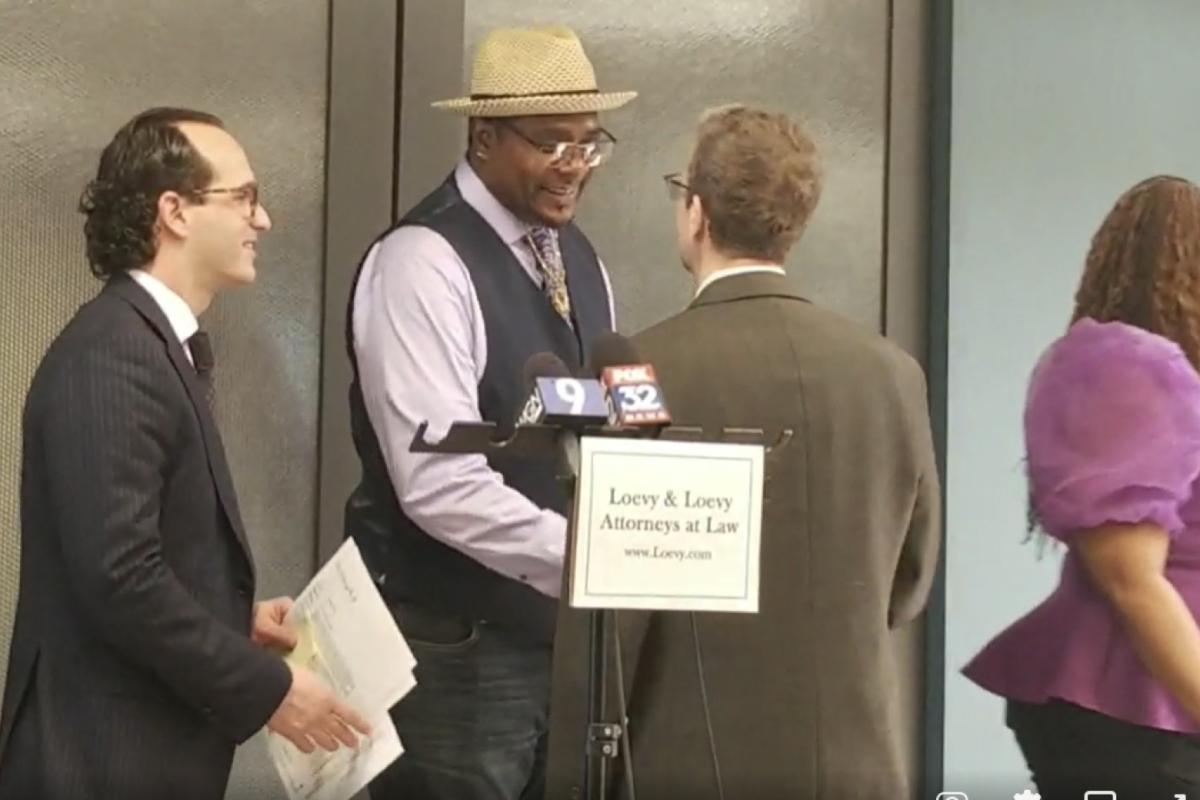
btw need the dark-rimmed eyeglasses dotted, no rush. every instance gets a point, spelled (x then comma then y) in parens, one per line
(591, 154)
(676, 188)
(243, 194)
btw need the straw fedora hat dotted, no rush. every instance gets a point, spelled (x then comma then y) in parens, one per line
(522, 72)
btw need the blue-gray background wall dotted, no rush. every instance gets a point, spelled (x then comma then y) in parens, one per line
(1057, 107)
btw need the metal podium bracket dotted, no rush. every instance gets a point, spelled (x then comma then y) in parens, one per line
(488, 438)
(726, 436)
(604, 739)
(541, 441)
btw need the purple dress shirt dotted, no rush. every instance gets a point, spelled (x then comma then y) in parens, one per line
(1112, 435)
(422, 350)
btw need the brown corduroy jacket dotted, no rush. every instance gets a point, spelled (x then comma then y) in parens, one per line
(803, 695)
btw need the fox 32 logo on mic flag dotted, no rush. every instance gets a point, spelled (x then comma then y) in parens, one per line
(633, 396)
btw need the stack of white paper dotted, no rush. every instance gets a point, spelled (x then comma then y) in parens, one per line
(348, 637)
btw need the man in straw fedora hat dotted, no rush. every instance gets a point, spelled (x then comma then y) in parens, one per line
(446, 308)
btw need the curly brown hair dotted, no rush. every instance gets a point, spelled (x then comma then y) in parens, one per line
(758, 177)
(1143, 267)
(148, 156)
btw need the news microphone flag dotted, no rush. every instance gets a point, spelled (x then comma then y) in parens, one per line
(633, 396)
(569, 402)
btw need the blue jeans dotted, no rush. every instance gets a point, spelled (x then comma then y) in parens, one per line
(475, 726)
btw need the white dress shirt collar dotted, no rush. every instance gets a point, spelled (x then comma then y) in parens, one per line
(729, 272)
(509, 227)
(183, 322)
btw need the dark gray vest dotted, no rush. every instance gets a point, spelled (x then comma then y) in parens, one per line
(519, 321)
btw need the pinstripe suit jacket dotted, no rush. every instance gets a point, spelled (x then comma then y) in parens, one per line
(132, 674)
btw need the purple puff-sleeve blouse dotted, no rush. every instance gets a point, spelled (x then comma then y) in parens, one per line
(1112, 435)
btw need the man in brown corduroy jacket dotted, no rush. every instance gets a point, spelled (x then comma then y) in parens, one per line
(804, 694)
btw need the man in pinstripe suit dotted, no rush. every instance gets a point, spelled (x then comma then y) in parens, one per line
(139, 660)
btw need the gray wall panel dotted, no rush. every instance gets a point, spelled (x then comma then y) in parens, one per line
(906, 281)
(70, 73)
(430, 141)
(359, 193)
(824, 61)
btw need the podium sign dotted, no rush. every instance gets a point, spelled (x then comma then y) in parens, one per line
(667, 525)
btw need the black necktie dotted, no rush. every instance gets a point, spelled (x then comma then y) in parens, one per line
(202, 359)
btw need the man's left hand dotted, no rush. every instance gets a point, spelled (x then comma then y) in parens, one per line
(269, 628)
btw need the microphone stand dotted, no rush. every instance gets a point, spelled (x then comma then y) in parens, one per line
(603, 737)
(561, 443)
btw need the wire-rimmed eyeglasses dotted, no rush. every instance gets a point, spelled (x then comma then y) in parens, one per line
(676, 188)
(244, 194)
(592, 154)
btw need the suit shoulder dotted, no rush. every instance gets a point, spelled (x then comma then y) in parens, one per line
(103, 324)
(845, 334)
(104, 319)
(666, 330)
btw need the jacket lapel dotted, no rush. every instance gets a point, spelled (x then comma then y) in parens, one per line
(129, 290)
(745, 286)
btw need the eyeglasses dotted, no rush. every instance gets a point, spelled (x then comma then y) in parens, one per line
(676, 188)
(592, 154)
(243, 194)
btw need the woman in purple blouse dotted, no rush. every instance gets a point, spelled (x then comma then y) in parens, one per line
(1103, 677)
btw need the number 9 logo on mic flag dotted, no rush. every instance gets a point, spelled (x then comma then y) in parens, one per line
(566, 401)
(571, 391)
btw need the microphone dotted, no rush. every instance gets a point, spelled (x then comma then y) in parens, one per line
(631, 391)
(539, 365)
(557, 398)
(565, 402)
